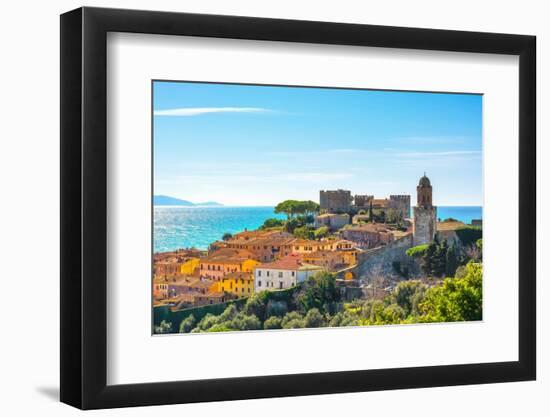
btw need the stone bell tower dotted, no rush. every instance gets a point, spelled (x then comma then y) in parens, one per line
(424, 213)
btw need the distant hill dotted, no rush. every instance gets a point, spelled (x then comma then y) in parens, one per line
(164, 200)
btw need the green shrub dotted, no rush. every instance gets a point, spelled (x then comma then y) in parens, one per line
(407, 294)
(256, 305)
(321, 232)
(292, 320)
(469, 235)
(304, 232)
(269, 223)
(319, 291)
(273, 322)
(342, 319)
(314, 319)
(417, 251)
(187, 324)
(458, 299)
(163, 328)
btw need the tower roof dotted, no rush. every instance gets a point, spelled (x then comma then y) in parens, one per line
(424, 181)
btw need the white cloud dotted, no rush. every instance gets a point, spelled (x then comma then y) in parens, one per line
(197, 111)
(436, 154)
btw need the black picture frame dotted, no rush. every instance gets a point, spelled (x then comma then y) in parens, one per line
(84, 207)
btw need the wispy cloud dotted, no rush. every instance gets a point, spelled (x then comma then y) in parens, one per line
(436, 154)
(342, 151)
(197, 111)
(429, 140)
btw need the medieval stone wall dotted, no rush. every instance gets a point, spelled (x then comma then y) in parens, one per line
(380, 260)
(335, 201)
(401, 203)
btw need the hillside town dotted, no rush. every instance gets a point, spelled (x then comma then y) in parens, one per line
(363, 241)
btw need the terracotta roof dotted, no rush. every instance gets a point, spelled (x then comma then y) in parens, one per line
(369, 227)
(333, 215)
(238, 275)
(250, 234)
(306, 242)
(181, 253)
(292, 262)
(185, 281)
(262, 241)
(210, 295)
(442, 226)
(228, 255)
(322, 254)
(380, 202)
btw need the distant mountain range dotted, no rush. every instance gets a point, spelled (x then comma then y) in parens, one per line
(164, 200)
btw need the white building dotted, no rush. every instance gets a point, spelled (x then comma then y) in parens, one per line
(283, 273)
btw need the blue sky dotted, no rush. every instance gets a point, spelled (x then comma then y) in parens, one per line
(259, 145)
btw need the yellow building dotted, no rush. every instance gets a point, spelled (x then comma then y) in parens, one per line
(240, 284)
(189, 266)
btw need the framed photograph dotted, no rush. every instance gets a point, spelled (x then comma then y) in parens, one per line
(259, 208)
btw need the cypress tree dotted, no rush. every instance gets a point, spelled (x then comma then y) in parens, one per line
(428, 265)
(451, 261)
(440, 259)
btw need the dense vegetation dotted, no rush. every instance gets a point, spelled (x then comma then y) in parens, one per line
(469, 235)
(317, 303)
(439, 259)
(299, 221)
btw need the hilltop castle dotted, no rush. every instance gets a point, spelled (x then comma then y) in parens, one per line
(424, 213)
(341, 201)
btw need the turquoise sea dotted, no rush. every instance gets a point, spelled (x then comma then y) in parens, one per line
(186, 227)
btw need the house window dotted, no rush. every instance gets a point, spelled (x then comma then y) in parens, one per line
(280, 274)
(267, 273)
(259, 283)
(280, 284)
(259, 273)
(293, 273)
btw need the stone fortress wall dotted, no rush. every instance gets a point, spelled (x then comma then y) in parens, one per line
(335, 201)
(380, 260)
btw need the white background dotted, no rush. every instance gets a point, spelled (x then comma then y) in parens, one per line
(29, 214)
(133, 60)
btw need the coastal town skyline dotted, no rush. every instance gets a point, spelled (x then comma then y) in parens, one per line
(242, 145)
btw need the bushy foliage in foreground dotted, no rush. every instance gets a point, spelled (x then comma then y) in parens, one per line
(316, 304)
(458, 299)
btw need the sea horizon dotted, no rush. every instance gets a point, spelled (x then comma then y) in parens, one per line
(178, 227)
